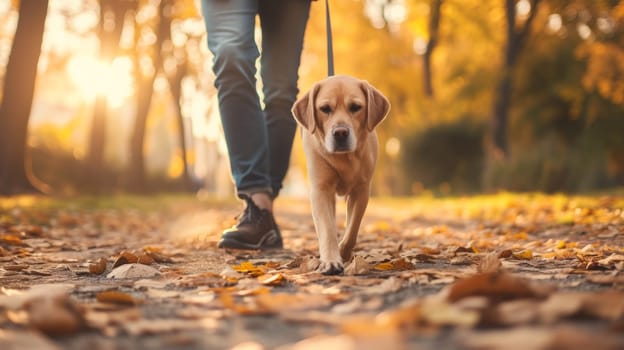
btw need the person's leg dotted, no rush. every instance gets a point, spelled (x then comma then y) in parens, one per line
(283, 25)
(230, 26)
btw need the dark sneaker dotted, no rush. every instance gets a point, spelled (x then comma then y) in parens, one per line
(256, 229)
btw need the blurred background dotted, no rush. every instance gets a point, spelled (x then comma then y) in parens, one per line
(107, 96)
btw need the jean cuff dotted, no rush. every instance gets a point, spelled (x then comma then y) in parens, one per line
(248, 192)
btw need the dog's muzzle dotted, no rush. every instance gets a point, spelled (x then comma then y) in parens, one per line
(342, 139)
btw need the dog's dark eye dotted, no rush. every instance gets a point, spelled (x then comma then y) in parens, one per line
(354, 107)
(325, 109)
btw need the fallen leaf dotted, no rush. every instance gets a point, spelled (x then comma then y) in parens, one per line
(607, 305)
(358, 266)
(125, 257)
(309, 264)
(395, 265)
(561, 305)
(133, 271)
(158, 255)
(10, 239)
(505, 254)
(389, 285)
(98, 267)
(526, 254)
(515, 312)
(249, 268)
(441, 313)
(115, 297)
(145, 259)
(55, 315)
(496, 285)
(16, 299)
(489, 263)
(272, 280)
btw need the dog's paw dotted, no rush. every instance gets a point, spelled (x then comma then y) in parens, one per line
(330, 267)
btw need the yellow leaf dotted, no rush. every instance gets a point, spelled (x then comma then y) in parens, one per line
(249, 268)
(271, 280)
(524, 255)
(561, 244)
(384, 266)
(398, 264)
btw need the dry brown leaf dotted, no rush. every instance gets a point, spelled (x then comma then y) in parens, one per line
(309, 264)
(489, 263)
(505, 254)
(404, 317)
(229, 302)
(98, 267)
(389, 285)
(515, 312)
(395, 265)
(115, 297)
(495, 285)
(601, 278)
(358, 266)
(561, 305)
(11, 239)
(144, 258)
(16, 299)
(434, 311)
(55, 315)
(608, 305)
(158, 255)
(125, 257)
(133, 271)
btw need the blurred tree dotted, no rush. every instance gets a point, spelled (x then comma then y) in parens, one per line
(19, 85)
(516, 38)
(146, 67)
(434, 29)
(112, 15)
(161, 58)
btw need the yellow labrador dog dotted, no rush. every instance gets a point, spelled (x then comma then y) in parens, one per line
(338, 116)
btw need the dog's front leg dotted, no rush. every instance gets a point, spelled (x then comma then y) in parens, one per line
(324, 216)
(357, 202)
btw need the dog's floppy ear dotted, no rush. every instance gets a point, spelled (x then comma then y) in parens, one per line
(304, 111)
(378, 106)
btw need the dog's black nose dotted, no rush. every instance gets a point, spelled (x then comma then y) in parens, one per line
(341, 134)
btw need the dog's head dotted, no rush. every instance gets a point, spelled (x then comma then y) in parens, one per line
(341, 111)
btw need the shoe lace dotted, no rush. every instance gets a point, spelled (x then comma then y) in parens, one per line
(248, 215)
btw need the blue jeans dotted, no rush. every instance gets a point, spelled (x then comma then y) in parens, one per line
(259, 141)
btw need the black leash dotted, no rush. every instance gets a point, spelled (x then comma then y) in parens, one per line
(330, 44)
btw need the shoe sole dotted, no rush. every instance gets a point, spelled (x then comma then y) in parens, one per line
(228, 243)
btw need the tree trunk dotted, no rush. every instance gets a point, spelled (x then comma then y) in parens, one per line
(112, 13)
(502, 97)
(175, 85)
(18, 91)
(145, 89)
(434, 26)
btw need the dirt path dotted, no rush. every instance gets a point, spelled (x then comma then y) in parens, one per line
(525, 273)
